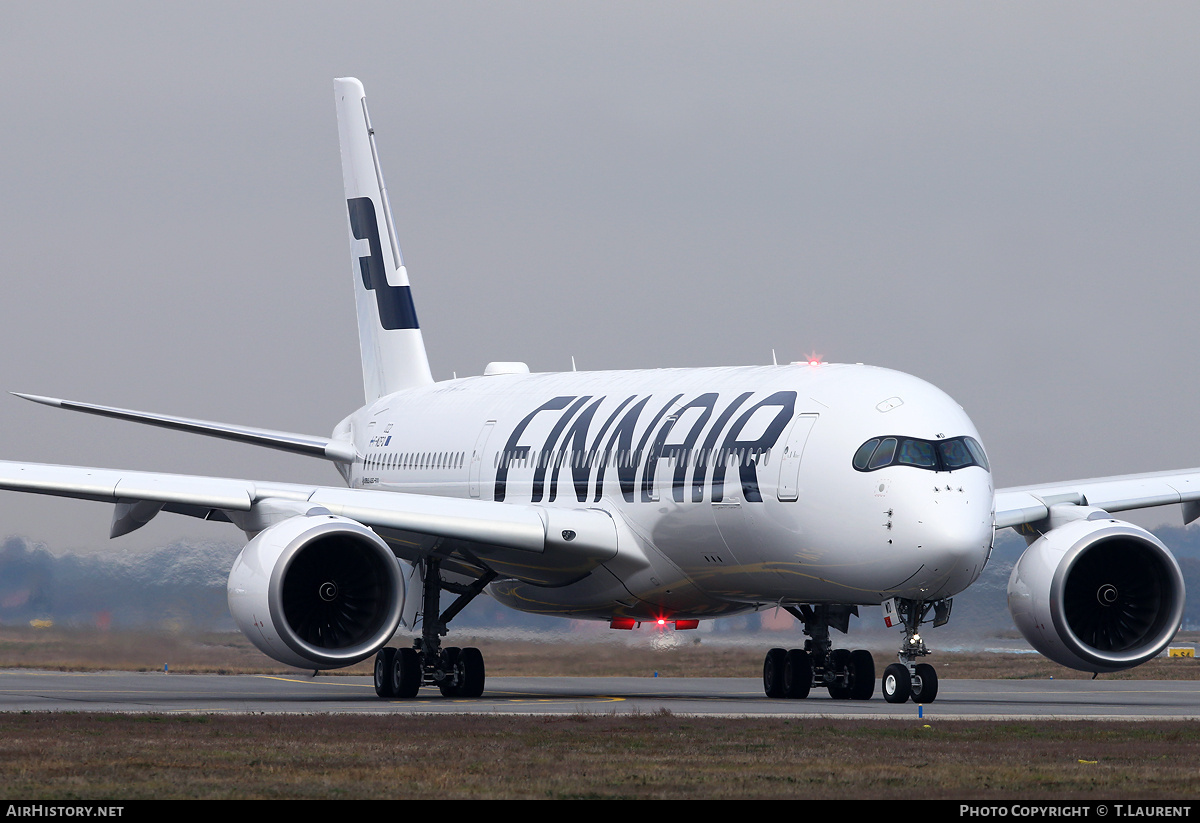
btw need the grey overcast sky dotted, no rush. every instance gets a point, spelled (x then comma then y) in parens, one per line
(1001, 198)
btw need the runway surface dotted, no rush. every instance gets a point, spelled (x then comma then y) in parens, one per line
(22, 690)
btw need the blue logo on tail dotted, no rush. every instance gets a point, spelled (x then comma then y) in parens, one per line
(396, 310)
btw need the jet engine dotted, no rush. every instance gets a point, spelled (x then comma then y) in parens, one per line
(317, 592)
(1097, 594)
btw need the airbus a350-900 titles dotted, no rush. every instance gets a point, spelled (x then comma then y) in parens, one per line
(664, 495)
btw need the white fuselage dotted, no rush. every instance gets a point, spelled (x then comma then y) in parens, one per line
(732, 487)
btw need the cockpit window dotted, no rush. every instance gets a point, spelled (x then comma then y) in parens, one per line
(976, 451)
(863, 456)
(954, 454)
(932, 455)
(917, 453)
(884, 454)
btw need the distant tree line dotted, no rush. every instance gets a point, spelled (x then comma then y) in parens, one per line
(182, 586)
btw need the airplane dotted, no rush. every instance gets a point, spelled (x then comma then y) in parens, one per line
(665, 495)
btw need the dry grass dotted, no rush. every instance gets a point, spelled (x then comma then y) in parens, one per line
(93, 650)
(88, 756)
(588, 656)
(1002, 666)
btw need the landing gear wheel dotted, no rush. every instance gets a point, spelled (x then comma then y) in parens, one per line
(797, 674)
(897, 683)
(406, 673)
(839, 663)
(773, 673)
(449, 685)
(862, 675)
(473, 675)
(384, 660)
(925, 688)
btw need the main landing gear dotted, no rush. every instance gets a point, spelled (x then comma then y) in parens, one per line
(849, 675)
(908, 679)
(456, 672)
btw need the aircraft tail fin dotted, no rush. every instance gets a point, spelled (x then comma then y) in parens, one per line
(393, 351)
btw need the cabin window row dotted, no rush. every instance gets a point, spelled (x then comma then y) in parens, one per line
(629, 459)
(415, 460)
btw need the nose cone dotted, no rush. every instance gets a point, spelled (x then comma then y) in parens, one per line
(948, 529)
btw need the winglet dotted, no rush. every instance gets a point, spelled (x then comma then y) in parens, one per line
(338, 451)
(37, 398)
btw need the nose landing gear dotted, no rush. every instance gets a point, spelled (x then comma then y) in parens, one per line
(908, 679)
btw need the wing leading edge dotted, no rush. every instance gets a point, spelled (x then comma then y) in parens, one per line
(525, 541)
(1019, 505)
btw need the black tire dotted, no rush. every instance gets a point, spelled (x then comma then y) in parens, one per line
(862, 675)
(926, 691)
(773, 673)
(473, 673)
(450, 685)
(839, 664)
(406, 673)
(797, 674)
(897, 683)
(384, 660)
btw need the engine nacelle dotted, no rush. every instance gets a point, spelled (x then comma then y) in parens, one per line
(1098, 595)
(317, 592)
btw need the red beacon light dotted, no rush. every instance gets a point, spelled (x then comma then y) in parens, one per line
(813, 359)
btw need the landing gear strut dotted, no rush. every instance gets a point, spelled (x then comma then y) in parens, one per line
(909, 679)
(848, 675)
(456, 672)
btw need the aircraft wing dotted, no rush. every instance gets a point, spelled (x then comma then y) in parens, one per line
(1028, 504)
(338, 451)
(543, 545)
